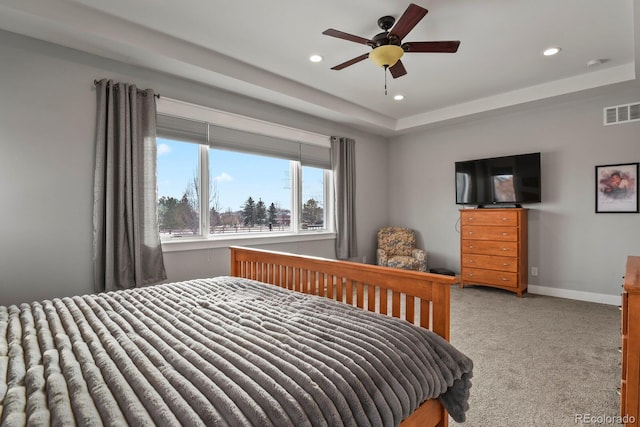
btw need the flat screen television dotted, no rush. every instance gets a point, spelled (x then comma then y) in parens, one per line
(496, 181)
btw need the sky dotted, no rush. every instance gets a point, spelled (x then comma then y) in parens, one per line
(236, 176)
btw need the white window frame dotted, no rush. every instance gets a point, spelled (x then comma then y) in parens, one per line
(296, 234)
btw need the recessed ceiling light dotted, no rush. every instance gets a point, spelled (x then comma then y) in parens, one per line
(398, 97)
(315, 58)
(551, 51)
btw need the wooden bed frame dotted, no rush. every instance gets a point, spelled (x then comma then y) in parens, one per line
(421, 297)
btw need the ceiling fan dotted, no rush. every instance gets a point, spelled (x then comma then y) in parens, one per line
(388, 47)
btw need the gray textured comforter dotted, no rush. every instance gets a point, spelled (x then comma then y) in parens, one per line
(221, 351)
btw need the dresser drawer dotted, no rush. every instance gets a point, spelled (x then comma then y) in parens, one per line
(498, 278)
(487, 247)
(476, 232)
(488, 217)
(499, 263)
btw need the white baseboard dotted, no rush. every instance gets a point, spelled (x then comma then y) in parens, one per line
(577, 295)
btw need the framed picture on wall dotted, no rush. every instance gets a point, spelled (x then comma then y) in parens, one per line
(617, 188)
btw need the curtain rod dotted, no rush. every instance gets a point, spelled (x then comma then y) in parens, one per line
(95, 83)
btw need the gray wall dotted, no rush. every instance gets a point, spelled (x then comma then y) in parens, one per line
(47, 108)
(47, 117)
(574, 248)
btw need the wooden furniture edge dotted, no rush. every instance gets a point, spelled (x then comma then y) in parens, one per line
(630, 391)
(319, 276)
(632, 275)
(430, 414)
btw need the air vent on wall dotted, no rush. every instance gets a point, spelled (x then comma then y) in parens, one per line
(622, 114)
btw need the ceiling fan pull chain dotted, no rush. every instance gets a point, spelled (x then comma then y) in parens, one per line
(385, 79)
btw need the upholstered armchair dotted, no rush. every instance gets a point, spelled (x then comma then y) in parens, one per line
(397, 249)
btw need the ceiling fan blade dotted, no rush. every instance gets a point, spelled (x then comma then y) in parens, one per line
(450, 46)
(351, 62)
(408, 20)
(346, 36)
(397, 70)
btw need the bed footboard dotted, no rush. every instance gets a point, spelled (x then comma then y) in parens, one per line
(421, 298)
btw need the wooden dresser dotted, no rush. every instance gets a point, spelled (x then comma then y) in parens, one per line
(629, 388)
(493, 248)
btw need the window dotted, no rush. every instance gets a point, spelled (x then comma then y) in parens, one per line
(313, 198)
(178, 182)
(249, 193)
(255, 184)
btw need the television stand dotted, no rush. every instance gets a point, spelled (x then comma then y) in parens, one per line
(493, 248)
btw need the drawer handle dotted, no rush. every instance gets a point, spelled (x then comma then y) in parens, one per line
(505, 234)
(505, 219)
(505, 279)
(506, 264)
(506, 249)
(471, 232)
(471, 247)
(469, 274)
(470, 261)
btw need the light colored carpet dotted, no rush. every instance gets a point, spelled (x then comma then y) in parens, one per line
(538, 360)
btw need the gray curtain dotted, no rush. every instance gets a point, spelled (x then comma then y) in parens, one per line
(126, 242)
(343, 164)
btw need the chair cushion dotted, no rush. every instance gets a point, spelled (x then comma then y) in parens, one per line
(403, 262)
(396, 240)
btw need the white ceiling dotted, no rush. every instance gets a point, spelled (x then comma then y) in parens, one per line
(261, 48)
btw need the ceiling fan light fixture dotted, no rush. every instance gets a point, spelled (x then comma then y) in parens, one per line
(386, 55)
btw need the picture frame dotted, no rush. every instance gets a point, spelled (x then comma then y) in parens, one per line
(617, 188)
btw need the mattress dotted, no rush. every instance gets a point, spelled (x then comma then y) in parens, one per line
(223, 351)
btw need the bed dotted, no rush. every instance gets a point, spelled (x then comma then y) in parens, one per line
(284, 340)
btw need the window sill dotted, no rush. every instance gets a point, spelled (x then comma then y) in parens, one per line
(192, 244)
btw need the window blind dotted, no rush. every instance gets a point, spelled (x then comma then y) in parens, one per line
(223, 138)
(181, 129)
